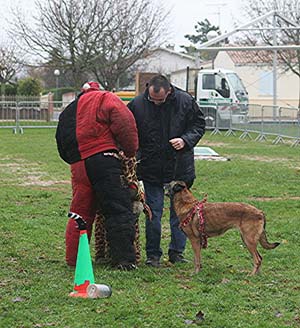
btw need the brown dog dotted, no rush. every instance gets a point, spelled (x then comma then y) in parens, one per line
(199, 220)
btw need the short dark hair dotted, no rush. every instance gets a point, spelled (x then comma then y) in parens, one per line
(158, 82)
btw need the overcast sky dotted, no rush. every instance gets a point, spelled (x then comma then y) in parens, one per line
(184, 15)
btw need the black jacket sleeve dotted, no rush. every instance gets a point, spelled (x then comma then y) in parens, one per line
(195, 127)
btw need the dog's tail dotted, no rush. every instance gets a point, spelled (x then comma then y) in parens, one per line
(264, 242)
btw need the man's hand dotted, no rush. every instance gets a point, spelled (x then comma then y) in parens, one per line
(177, 143)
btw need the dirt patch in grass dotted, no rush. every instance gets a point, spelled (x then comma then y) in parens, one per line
(33, 180)
(213, 144)
(283, 161)
(23, 173)
(270, 199)
(262, 158)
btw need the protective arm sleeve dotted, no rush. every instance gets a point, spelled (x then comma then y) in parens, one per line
(122, 124)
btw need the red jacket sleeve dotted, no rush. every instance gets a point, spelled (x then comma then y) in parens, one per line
(121, 122)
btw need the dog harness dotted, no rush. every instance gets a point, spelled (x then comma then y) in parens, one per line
(197, 210)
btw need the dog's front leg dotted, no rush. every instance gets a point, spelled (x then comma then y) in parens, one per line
(197, 253)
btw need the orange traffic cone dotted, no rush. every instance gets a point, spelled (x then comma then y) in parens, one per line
(84, 275)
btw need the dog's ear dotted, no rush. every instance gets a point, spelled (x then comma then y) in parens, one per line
(179, 186)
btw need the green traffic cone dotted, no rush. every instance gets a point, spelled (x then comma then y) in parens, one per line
(84, 275)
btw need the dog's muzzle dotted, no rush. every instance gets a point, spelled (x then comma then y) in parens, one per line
(173, 187)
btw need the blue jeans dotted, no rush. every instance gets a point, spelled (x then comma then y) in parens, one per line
(155, 199)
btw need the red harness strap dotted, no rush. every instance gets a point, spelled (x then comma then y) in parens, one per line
(197, 209)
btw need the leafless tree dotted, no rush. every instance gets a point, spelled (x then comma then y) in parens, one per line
(137, 26)
(10, 63)
(289, 9)
(96, 37)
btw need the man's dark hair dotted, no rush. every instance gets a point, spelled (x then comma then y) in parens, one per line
(158, 82)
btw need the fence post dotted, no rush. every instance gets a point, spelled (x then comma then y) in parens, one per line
(230, 131)
(261, 136)
(297, 140)
(50, 107)
(279, 138)
(216, 129)
(18, 128)
(246, 132)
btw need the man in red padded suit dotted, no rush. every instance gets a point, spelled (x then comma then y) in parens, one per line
(91, 131)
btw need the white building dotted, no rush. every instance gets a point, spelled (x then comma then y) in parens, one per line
(164, 61)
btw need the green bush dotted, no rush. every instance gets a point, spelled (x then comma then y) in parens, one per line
(29, 86)
(10, 89)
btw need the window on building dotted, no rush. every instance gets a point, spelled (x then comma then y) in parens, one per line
(266, 83)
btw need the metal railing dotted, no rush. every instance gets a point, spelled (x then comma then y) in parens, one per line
(258, 122)
(19, 115)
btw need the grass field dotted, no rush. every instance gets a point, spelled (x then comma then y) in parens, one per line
(35, 282)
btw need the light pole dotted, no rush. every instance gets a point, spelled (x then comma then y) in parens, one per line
(56, 73)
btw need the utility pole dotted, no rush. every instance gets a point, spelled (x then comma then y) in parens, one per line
(56, 73)
(274, 66)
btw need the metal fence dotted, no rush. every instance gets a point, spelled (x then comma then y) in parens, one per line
(19, 115)
(256, 121)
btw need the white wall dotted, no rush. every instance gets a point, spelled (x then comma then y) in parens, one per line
(223, 60)
(164, 62)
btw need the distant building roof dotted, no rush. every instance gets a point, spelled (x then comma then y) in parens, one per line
(171, 51)
(261, 57)
(250, 57)
(204, 64)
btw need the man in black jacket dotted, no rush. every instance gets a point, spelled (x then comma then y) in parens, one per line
(170, 124)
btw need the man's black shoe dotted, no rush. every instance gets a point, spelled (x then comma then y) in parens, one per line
(126, 266)
(177, 258)
(153, 261)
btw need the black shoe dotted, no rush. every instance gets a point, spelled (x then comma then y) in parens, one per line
(177, 258)
(126, 266)
(153, 261)
(102, 260)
